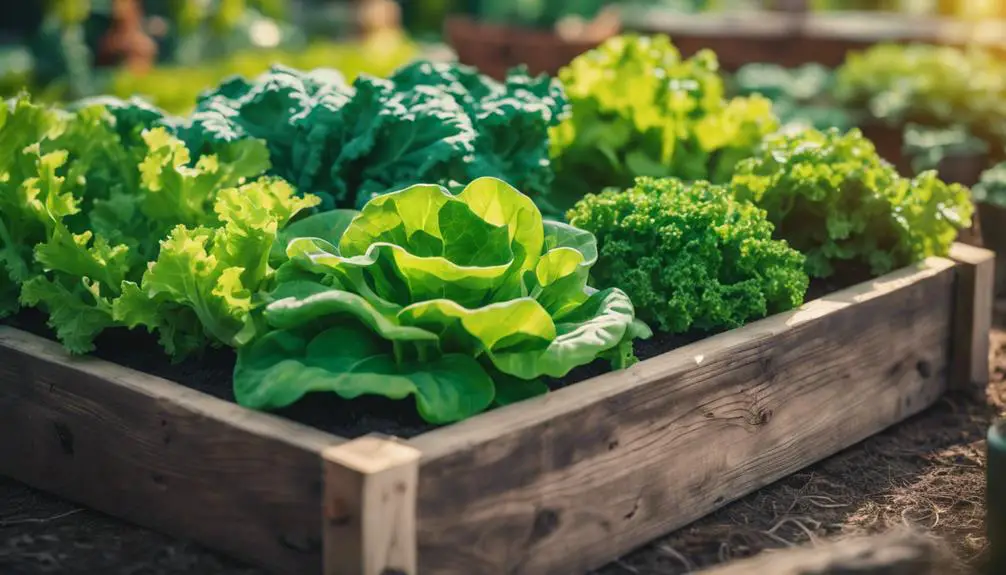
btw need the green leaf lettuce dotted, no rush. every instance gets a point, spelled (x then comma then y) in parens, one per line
(448, 298)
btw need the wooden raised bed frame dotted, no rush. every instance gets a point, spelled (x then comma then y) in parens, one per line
(558, 484)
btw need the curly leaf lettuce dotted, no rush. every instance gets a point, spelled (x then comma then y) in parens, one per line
(51, 261)
(453, 299)
(204, 278)
(85, 203)
(831, 196)
(639, 109)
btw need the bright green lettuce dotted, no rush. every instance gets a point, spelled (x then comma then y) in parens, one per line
(639, 109)
(455, 299)
(54, 167)
(690, 255)
(833, 198)
(89, 202)
(204, 280)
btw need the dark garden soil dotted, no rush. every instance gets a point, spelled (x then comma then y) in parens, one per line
(211, 374)
(927, 472)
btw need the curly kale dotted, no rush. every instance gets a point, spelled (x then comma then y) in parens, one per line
(833, 198)
(428, 123)
(690, 256)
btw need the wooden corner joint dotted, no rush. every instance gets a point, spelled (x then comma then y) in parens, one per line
(369, 507)
(972, 316)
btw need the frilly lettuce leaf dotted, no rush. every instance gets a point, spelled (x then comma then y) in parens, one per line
(213, 272)
(639, 109)
(106, 223)
(833, 198)
(428, 279)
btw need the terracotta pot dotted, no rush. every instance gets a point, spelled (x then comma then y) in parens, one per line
(494, 49)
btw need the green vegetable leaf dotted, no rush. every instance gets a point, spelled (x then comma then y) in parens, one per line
(283, 366)
(674, 122)
(833, 198)
(690, 255)
(328, 226)
(424, 280)
(214, 272)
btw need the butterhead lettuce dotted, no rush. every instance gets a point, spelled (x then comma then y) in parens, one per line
(458, 300)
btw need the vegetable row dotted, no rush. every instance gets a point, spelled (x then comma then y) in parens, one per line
(948, 102)
(437, 234)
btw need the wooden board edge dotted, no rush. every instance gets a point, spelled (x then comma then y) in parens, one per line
(973, 306)
(485, 427)
(369, 507)
(573, 491)
(258, 423)
(157, 454)
(899, 552)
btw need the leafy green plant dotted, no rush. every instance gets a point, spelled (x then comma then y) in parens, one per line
(928, 147)
(639, 109)
(85, 205)
(937, 86)
(428, 123)
(690, 255)
(458, 300)
(800, 96)
(831, 197)
(991, 187)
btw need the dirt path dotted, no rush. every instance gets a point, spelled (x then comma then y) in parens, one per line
(928, 472)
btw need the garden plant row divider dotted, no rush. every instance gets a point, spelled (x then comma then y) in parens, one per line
(557, 484)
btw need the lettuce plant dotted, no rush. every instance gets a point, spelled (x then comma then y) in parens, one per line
(458, 300)
(934, 86)
(991, 188)
(639, 109)
(833, 198)
(104, 224)
(690, 255)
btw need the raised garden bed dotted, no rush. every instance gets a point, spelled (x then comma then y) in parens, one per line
(792, 38)
(494, 49)
(557, 484)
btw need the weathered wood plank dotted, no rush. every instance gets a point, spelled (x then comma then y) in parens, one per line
(973, 316)
(369, 512)
(161, 455)
(901, 552)
(565, 482)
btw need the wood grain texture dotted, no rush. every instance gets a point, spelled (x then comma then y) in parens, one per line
(901, 552)
(972, 316)
(369, 512)
(161, 455)
(566, 482)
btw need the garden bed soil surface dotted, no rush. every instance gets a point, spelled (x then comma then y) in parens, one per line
(927, 471)
(212, 374)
